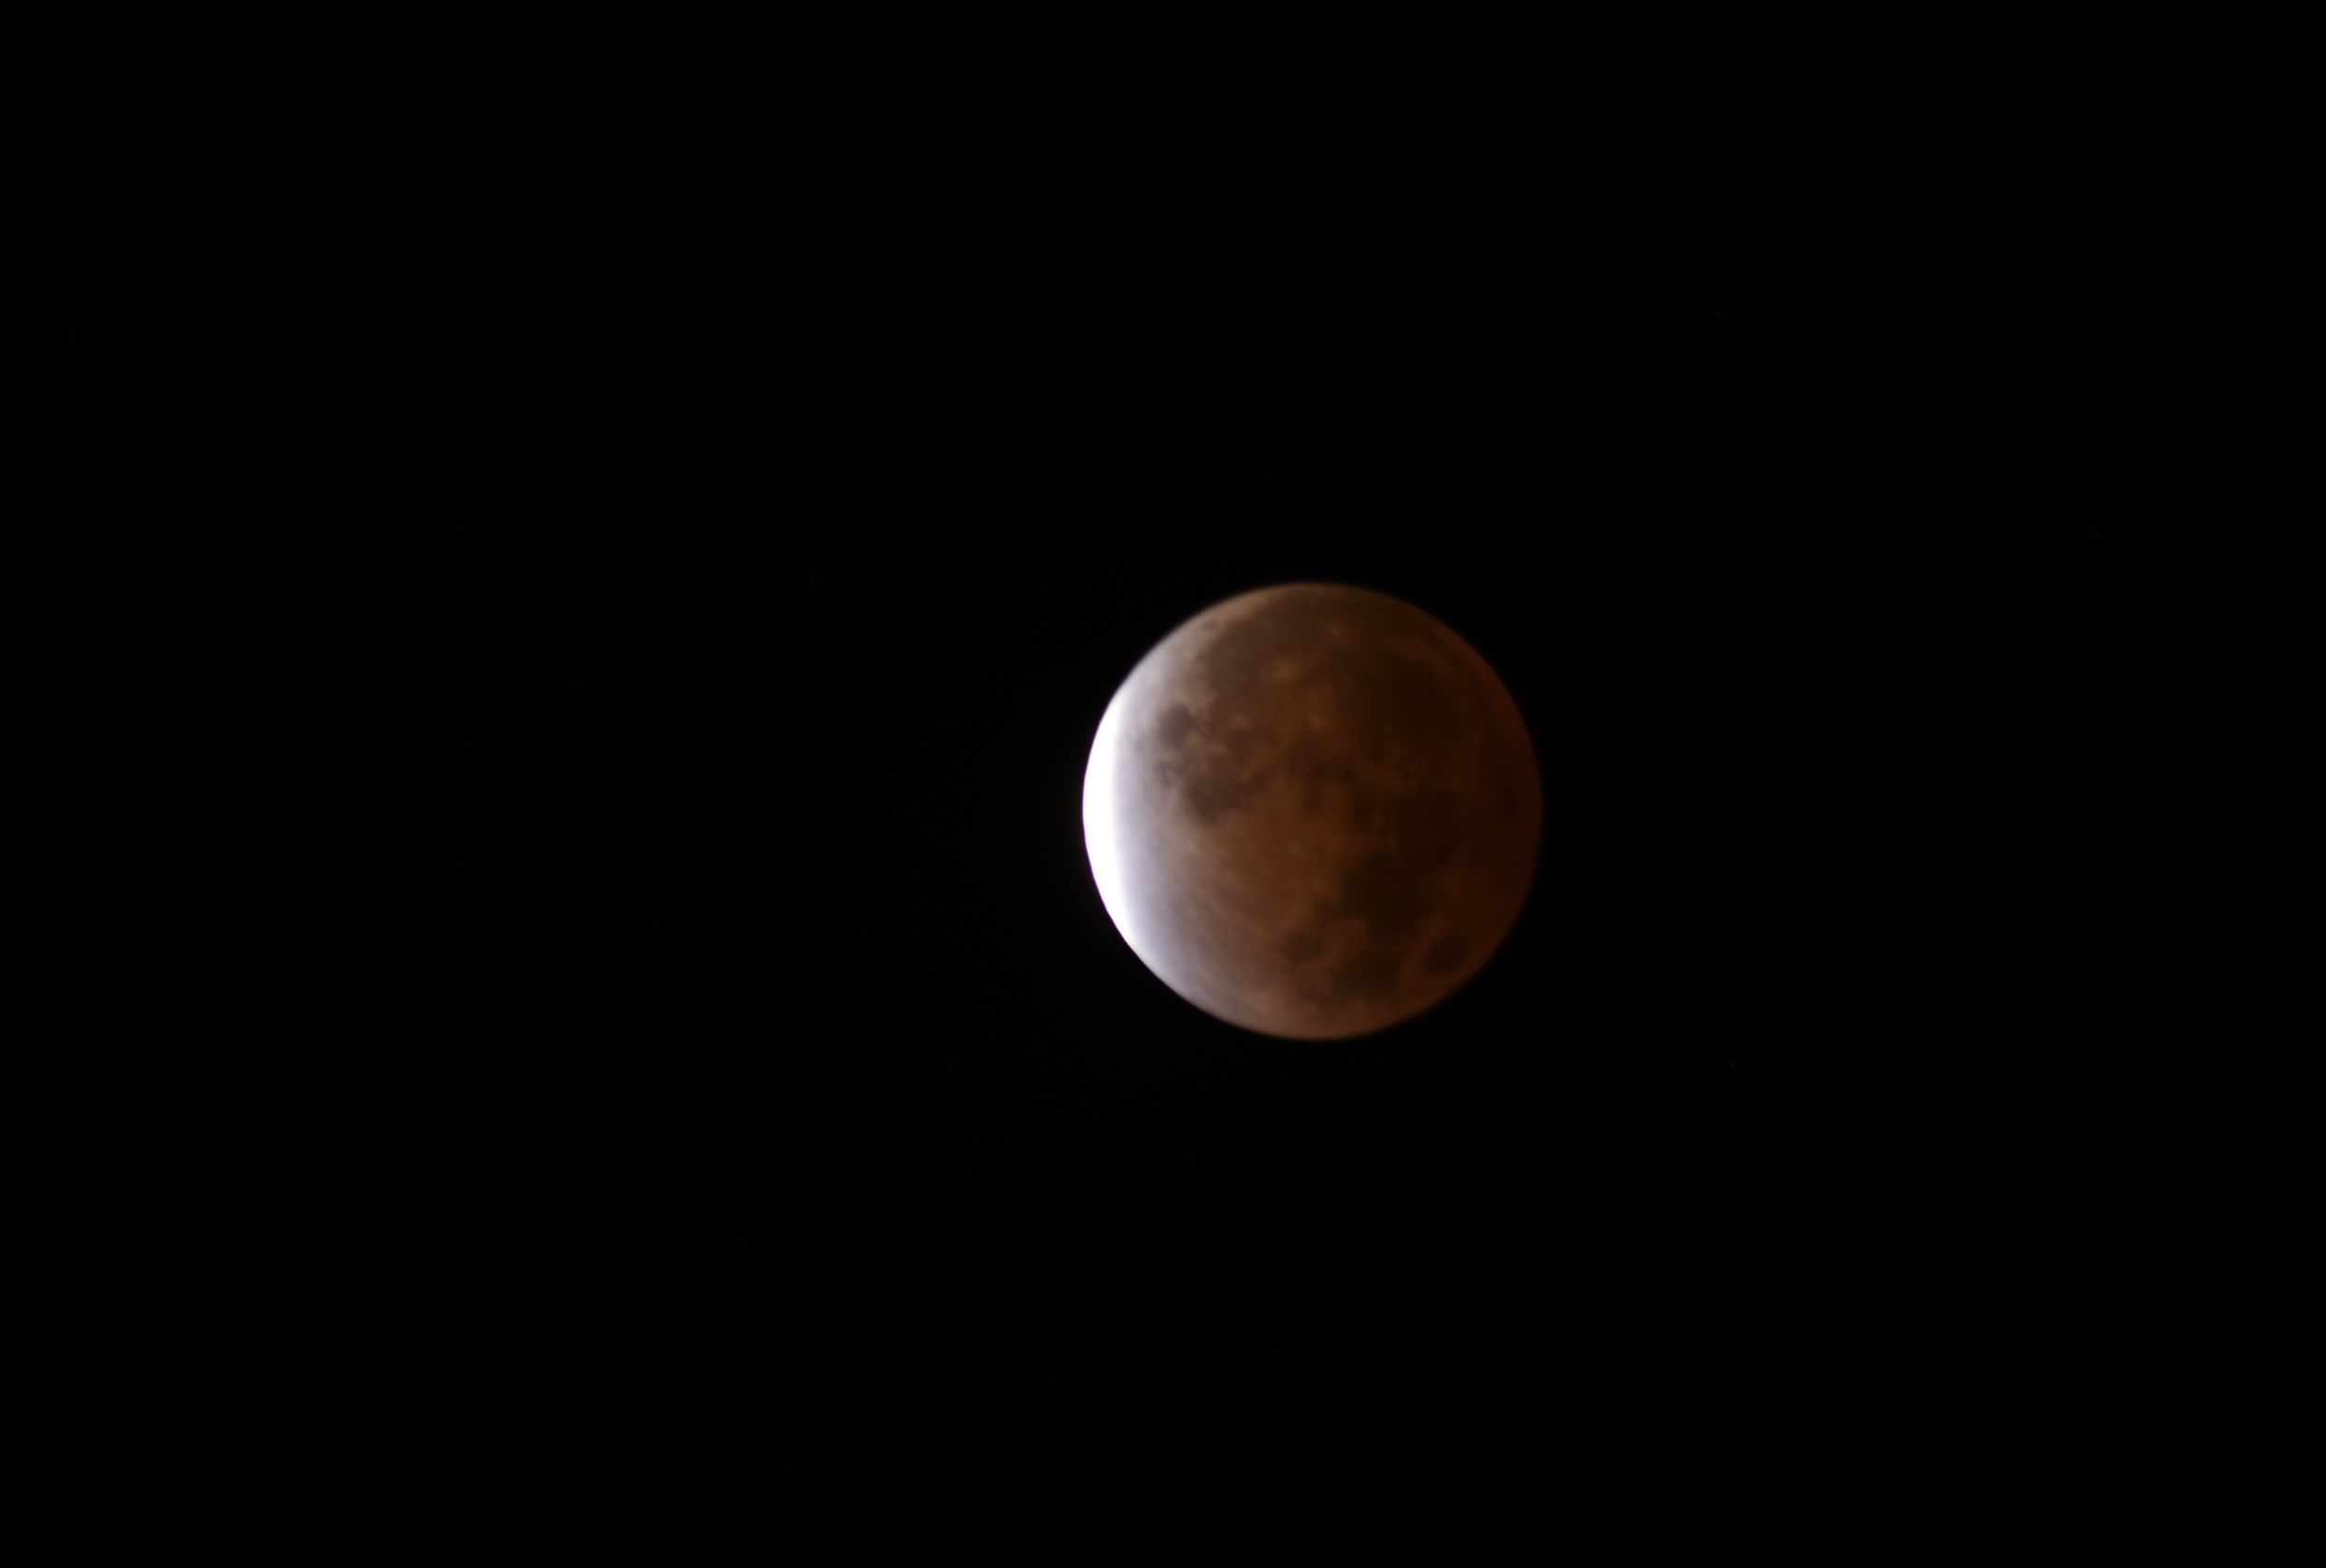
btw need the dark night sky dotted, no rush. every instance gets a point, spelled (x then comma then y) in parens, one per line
(673, 982)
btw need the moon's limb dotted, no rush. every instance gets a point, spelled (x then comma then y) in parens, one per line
(1312, 811)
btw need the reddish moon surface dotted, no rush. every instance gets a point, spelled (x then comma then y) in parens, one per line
(1312, 811)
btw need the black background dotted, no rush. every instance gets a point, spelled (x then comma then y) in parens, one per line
(691, 502)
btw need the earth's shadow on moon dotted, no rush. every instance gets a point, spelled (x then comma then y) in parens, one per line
(1312, 811)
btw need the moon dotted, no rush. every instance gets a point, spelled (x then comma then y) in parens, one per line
(1312, 811)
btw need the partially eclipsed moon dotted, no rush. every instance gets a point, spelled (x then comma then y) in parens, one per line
(1312, 811)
